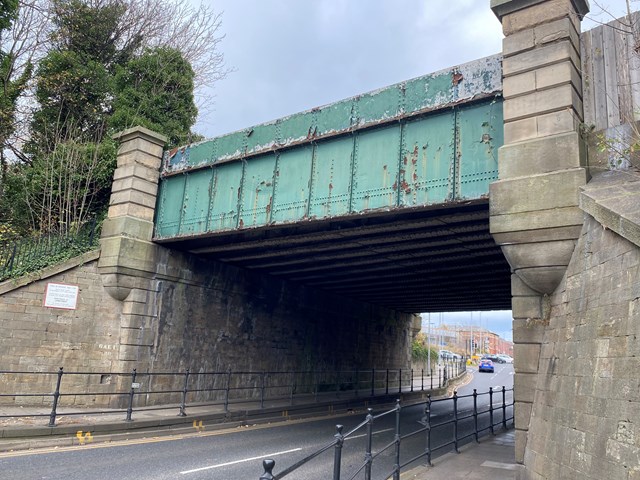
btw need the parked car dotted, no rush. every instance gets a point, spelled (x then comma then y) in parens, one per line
(495, 358)
(505, 358)
(485, 365)
(447, 355)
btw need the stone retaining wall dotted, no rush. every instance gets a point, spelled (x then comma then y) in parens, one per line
(35, 338)
(216, 318)
(585, 421)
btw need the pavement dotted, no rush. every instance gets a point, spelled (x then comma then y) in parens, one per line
(492, 458)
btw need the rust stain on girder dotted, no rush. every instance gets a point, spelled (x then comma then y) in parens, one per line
(477, 80)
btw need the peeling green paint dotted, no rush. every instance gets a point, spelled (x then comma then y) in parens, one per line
(429, 140)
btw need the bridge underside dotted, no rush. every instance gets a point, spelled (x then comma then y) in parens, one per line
(428, 259)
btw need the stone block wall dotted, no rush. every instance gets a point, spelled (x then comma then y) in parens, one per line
(213, 319)
(235, 320)
(585, 419)
(149, 308)
(35, 338)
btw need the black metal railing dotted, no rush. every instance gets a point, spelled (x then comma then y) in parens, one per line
(26, 255)
(461, 423)
(128, 392)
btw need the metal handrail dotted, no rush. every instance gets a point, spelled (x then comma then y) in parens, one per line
(214, 388)
(429, 427)
(32, 253)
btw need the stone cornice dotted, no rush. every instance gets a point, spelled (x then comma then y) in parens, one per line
(504, 7)
(138, 131)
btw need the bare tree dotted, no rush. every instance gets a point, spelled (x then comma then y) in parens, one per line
(193, 30)
(23, 45)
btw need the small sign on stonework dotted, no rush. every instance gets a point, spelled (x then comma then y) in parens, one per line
(60, 295)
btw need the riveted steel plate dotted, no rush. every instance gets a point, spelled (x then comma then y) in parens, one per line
(292, 185)
(426, 141)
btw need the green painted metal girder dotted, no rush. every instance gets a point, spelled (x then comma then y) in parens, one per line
(430, 140)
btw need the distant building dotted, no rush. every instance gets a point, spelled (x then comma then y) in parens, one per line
(467, 340)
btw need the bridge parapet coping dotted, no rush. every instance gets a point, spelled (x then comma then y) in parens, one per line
(613, 198)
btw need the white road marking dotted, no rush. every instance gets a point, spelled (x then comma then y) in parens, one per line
(364, 434)
(267, 455)
(240, 461)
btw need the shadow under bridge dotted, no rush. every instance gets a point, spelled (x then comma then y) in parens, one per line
(382, 197)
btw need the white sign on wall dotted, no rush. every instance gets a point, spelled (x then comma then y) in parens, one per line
(60, 295)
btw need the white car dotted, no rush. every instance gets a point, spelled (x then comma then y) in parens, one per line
(506, 358)
(447, 355)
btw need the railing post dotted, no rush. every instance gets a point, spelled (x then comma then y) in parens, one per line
(399, 380)
(431, 377)
(491, 410)
(439, 377)
(92, 231)
(132, 392)
(262, 387)
(293, 387)
(427, 423)
(373, 381)
(475, 413)
(368, 457)
(13, 255)
(455, 421)
(422, 380)
(56, 396)
(268, 465)
(412, 379)
(183, 405)
(315, 385)
(226, 391)
(387, 388)
(504, 407)
(396, 465)
(337, 454)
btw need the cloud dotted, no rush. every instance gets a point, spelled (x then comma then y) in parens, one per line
(290, 56)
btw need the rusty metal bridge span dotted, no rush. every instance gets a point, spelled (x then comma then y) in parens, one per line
(382, 197)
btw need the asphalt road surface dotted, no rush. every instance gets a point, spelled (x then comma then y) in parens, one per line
(238, 453)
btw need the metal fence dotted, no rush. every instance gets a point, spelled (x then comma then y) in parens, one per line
(500, 415)
(128, 392)
(30, 254)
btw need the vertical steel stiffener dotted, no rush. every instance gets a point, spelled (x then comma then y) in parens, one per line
(430, 140)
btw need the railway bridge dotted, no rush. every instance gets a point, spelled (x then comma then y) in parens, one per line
(313, 241)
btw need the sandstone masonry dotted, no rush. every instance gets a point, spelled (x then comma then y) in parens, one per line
(147, 307)
(34, 338)
(534, 204)
(585, 419)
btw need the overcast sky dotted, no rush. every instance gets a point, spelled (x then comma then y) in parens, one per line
(293, 55)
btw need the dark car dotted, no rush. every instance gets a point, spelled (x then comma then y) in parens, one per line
(495, 358)
(485, 365)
